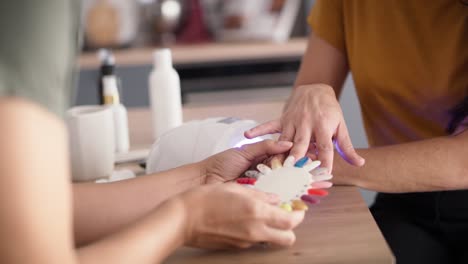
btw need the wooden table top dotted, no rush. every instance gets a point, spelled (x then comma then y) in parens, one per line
(338, 230)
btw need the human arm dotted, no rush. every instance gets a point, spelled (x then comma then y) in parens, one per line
(312, 112)
(35, 194)
(100, 209)
(35, 201)
(210, 217)
(427, 165)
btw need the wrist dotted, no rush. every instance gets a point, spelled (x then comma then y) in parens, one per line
(343, 173)
(315, 88)
(175, 210)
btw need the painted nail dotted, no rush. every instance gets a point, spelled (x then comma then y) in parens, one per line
(317, 192)
(319, 170)
(263, 168)
(289, 161)
(286, 207)
(322, 177)
(251, 180)
(301, 162)
(242, 180)
(298, 205)
(321, 185)
(251, 174)
(275, 163)
(310, 199)
(310, 166)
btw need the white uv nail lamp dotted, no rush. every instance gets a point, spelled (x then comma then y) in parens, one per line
(196, 140)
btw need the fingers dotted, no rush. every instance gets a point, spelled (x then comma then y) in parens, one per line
(345, 147)
(301, 142)
(284, 238)
(287, 134)
(324, 145)
(279, 226)
(269, 198)
(270, 127)
(266, 147)
(281, 219)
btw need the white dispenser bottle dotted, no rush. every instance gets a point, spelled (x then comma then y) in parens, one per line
(112, 99)
(164, 91)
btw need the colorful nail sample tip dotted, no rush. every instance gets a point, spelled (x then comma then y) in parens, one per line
(310, 199)
(323, 177)
(321, 185)
(276, 163)
(301, 162)
(317, 192)
(264, 169)
(319, 171)
(289, 161)
(285, 206)
(246, 180)
(310, 166)
(298, 205)
(251, 174)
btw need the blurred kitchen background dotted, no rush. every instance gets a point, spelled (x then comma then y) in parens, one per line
(225, 51)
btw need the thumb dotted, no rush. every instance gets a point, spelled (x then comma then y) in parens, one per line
(345, 147)
(267, 147)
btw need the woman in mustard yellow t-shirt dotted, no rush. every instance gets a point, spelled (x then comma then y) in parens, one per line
(409, 61)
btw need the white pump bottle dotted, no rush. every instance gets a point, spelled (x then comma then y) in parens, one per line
(112, 99)
(164, 91)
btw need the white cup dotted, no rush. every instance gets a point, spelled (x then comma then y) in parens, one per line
(92, 143)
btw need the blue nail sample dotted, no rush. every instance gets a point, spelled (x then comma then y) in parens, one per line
(301, 162)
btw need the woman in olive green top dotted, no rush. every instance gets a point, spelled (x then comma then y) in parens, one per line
(46, 219)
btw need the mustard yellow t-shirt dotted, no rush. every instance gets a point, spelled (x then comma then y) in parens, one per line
(409, 60)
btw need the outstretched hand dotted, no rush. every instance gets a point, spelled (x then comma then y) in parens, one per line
(313, 120)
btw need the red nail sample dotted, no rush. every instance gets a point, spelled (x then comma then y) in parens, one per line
(317, 192)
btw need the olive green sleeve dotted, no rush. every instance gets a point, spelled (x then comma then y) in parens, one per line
(38, 47)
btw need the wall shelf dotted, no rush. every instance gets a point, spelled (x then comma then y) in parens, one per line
(205, 53)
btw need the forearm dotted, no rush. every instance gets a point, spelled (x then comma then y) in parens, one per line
(100, 209)
(150, 240)
(427, 165)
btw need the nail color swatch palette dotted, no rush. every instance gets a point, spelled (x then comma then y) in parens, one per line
(291, 181)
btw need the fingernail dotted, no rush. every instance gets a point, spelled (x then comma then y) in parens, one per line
(319, 171)
(284, 143)
(317, 192)
(322, 177)
(301, 162)
(275, 163)
(264, 169)
(251, 174)
(289, 161)
(287, 207)
(322, 185)
(310, 199)
(310, 166)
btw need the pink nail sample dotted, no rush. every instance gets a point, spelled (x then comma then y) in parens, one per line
(322, 184)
